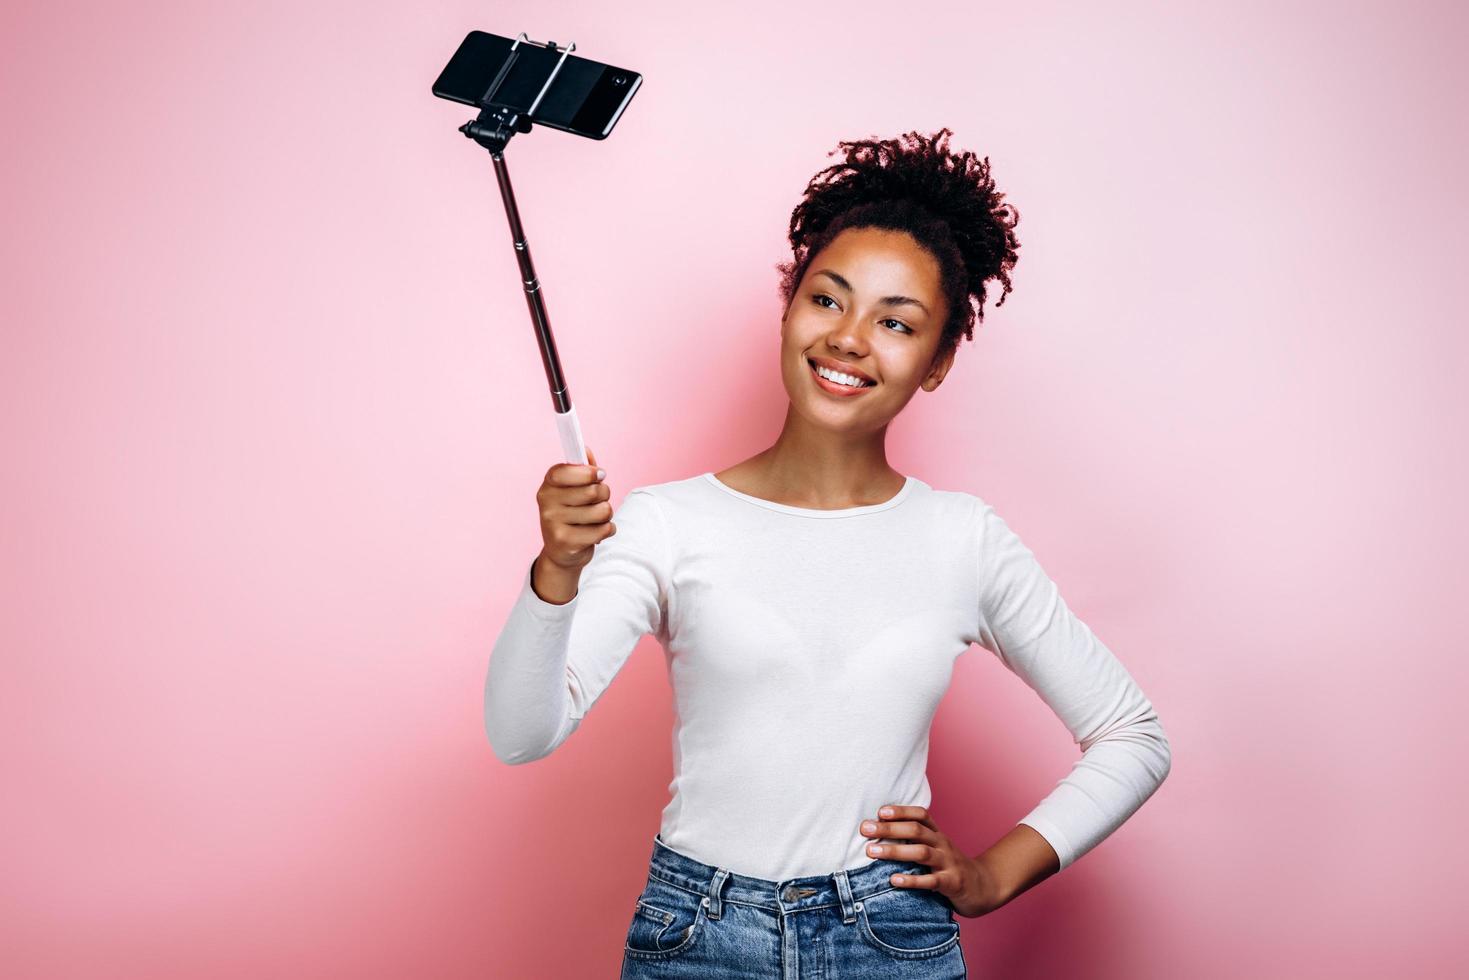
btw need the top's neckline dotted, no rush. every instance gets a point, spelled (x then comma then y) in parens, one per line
(893, 501)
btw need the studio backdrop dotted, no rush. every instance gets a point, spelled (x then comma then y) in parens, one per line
(274, 417)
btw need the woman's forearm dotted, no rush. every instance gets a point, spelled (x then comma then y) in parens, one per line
(553, 583)
(1019, 861)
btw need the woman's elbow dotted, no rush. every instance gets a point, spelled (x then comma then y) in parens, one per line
(1164, 752)
(514, 748)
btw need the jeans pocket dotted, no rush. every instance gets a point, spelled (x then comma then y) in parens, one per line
(908, 923)
(667, 921)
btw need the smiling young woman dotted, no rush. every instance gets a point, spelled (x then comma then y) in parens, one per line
(893, 249)
(811, 601)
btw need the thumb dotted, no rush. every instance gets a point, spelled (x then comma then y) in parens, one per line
(591, 456)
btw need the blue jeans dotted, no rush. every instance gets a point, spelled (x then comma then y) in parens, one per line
(694, 920)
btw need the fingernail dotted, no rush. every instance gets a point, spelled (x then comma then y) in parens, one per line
(601, 474)
(869, 826)
(886, 811)
(875, 849)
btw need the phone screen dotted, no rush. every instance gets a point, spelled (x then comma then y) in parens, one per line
(586, 97)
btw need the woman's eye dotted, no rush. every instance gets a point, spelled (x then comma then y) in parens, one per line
(821, 296)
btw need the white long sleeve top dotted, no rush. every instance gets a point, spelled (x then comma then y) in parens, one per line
(807, 651)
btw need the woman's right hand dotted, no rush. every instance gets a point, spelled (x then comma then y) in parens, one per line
(576, 514)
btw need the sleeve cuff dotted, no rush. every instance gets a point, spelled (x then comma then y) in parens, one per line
(1053, 836)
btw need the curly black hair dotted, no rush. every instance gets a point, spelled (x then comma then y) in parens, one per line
(947, 201)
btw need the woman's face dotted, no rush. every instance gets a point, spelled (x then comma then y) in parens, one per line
(871, 306)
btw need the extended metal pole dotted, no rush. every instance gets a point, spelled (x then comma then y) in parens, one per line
(560, 392)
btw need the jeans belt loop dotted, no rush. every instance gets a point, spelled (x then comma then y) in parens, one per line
(712, 901)
(844, 892)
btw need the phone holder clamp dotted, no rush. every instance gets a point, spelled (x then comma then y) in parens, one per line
(496, 124)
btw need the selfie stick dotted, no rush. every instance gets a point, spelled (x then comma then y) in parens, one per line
(492, 130)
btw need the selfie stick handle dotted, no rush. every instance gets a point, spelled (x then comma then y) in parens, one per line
(492, 130)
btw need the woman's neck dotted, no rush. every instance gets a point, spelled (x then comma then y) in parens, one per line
(823, 477)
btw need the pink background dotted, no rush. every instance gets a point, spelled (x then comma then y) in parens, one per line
(273, 422)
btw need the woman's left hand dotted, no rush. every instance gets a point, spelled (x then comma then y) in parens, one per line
(968, 885)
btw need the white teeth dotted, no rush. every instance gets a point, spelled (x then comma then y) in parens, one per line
(839, 378)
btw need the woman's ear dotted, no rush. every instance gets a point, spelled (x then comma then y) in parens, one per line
(940, 368)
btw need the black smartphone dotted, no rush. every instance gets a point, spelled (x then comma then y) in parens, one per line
(586, 97)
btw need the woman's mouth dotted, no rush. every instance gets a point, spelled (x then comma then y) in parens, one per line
(838, 387)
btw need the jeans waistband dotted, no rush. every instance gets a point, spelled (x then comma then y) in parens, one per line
(718, 885)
